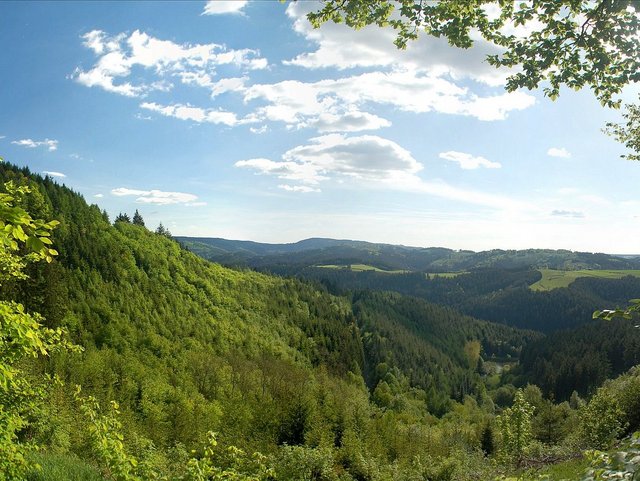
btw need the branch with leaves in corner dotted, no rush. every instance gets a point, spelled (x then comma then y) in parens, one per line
(556, 43)
(627, 313)
(23, 240)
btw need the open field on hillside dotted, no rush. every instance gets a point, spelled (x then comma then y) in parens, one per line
(360, 268)
(446, 275)
(553, 279)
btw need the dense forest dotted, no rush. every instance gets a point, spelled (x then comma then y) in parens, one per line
(324, 381)
(492, 294)
(320, 251)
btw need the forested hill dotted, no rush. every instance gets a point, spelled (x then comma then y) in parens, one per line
(328, 385)
(186, 346)
(320, 251)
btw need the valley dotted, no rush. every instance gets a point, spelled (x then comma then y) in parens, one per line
(356, 240)
(186, 346)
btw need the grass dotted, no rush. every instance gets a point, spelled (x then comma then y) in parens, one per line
(59, 467)
(565, 471)
(445, 275)
(360, 268)
(553, 279)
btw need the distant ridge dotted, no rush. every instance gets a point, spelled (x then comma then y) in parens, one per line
(318, 251)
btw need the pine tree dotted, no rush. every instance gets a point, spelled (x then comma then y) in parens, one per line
(137, 219)
(162, 230)
(488, 446)
(122, 218)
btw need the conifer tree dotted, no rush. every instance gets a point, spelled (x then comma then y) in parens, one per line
(137, 219)
(162, 230)
(122, 218)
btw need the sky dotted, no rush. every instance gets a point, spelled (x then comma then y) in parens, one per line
(239, 120)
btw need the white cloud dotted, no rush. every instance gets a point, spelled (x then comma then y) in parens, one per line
(99, 196)
(51, 145)
(258, 130)
(297, 188)
(353, 121)
(196, 114)
(158, 197)
(559, 152)
(573, 214)
(54, 174)
(337, 104)
(342, 47)
(366, 157)
(423, 78)
(446, 191)
(221, 7)
(468, 161)
(189, 63)
(231, 84)
(370, 162)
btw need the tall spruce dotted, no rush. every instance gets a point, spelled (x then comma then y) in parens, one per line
(137, 219)
(122, 218)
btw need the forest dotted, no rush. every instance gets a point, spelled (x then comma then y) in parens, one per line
(131, 354)
(127, 357)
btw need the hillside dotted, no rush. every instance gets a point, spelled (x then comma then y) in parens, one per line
(493, 294)
(312, 252)
(186, 346)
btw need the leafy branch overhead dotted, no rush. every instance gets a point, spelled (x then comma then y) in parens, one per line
(628, 313)
(574, 43)
(17, 226)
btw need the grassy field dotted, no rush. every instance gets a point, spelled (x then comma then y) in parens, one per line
(360, 268)
(446, 275)
(58, 467)
(564, 471)
(552, 279)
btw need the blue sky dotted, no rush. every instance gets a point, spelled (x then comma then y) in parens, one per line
(238, 120)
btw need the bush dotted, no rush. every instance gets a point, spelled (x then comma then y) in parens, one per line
(602, 419)
(302, 463)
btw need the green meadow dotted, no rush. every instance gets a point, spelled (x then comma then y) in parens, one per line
(360, 268)
(553, 279)
(445, 275)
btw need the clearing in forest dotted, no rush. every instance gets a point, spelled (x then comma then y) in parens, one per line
(553, 279)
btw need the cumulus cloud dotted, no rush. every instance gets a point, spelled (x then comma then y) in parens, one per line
(559, 152)
(367, 157)
(221, 7)
(468, 161)
(369, 161)
(423, 78)
(99, 196)
(338, 104)
(188, 63)
(574, 214)
(157, 197)
(196, 114)
(353, 121)
(54, 174)
(373, 47)
(51, 145)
